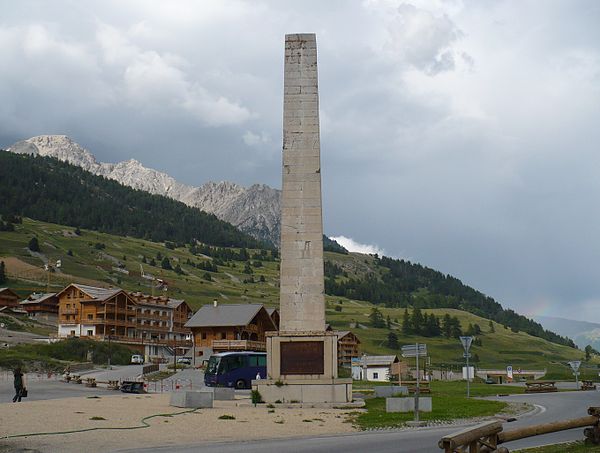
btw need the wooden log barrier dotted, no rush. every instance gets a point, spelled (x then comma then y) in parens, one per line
(486, 437)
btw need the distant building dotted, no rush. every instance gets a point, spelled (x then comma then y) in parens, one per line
(347, 346)
(373, 367)
(8, 298)
(228, 327)
(41, 306)
(153, 324)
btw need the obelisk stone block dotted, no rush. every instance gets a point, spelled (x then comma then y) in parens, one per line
(302, 302)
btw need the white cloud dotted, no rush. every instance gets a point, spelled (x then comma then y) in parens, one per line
(252, 139)
(352, 246)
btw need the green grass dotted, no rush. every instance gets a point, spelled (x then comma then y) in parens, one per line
(499, 349)
(571, 447)
(449, 402)
(55, 356)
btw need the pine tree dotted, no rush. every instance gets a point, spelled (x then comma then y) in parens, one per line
(447, 326)
(377, 319)
(166, 264)
(406, 329)
(2, 272)
(417, 321)
(34, 245)
(388, 322)
(392, 341)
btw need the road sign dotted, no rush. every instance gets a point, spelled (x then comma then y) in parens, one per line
(466, 342)
(509, 372)
(411, 350)
(575, 365)
(467, 354)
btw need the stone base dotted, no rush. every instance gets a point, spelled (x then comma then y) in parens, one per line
(202, 398)
(304, 390)
(407, 404)
(388, 391)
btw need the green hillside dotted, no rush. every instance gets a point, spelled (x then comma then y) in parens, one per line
(251, 275)
(47, 189)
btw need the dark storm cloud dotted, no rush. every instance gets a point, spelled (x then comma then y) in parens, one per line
(465, 133)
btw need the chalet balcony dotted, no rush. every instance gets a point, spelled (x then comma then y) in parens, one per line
(239, 345)
(69, 311)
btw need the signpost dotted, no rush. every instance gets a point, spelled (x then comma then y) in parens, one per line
(509, 372)
(575, 364)
(415, 350)
(466, 342)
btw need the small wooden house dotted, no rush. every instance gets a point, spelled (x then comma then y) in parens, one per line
(8, 298)
(229, 327)
(43, 306)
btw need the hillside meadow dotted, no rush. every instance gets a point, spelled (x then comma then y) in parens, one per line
(103, 259)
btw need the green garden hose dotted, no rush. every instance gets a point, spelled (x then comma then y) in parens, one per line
(142, 421)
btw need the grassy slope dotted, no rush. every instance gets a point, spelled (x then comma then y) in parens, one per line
(449, 402)
(499, 349)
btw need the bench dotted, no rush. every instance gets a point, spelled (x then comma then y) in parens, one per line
(412, 386)
(540, 387)
(588, 385)
(90, 382)
(113, 385)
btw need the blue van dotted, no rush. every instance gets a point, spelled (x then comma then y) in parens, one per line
(235, 369)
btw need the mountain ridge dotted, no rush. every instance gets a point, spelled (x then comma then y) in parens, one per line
(254, 210)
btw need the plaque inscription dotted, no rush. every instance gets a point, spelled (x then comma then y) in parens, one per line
(302, 357)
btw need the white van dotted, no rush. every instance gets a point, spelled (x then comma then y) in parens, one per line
(137, 359)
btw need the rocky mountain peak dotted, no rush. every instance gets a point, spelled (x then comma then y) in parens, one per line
(254, 210)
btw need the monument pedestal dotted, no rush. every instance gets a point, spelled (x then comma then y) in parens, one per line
(302, 367)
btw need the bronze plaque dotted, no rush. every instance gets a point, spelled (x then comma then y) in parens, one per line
(302, 357)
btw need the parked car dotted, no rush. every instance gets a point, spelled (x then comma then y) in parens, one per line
(185, 360)
(137, 359)
(490, 381)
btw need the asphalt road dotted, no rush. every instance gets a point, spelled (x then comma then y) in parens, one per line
(550, 407)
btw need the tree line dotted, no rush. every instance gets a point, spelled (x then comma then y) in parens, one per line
(406, 284)
(49, 190)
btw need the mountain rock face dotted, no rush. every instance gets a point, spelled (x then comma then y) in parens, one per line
(254, 210)
(582, 332)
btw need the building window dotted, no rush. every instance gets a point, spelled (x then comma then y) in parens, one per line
(204, 335)
(90, 316)
(223, 335)
(375, 375)
(90, 333)
(72, 333)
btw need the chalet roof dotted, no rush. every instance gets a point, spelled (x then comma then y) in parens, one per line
(37, 298)
(15, 310)
(376, 360)
(99, 294)
(343, 333)
(225, 315)
(271, 311)
(174, 303)
(8, 290)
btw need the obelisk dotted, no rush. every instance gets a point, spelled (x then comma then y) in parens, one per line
(302, 356)
(302, 302)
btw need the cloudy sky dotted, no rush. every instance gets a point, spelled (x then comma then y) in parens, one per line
(464, 135)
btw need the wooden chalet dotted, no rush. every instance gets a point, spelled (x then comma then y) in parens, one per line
(152, 323)
(348, 348)
(41, 306)
(8, 298)
(218, 328)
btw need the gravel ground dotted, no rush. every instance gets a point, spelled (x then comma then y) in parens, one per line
(127, 411)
